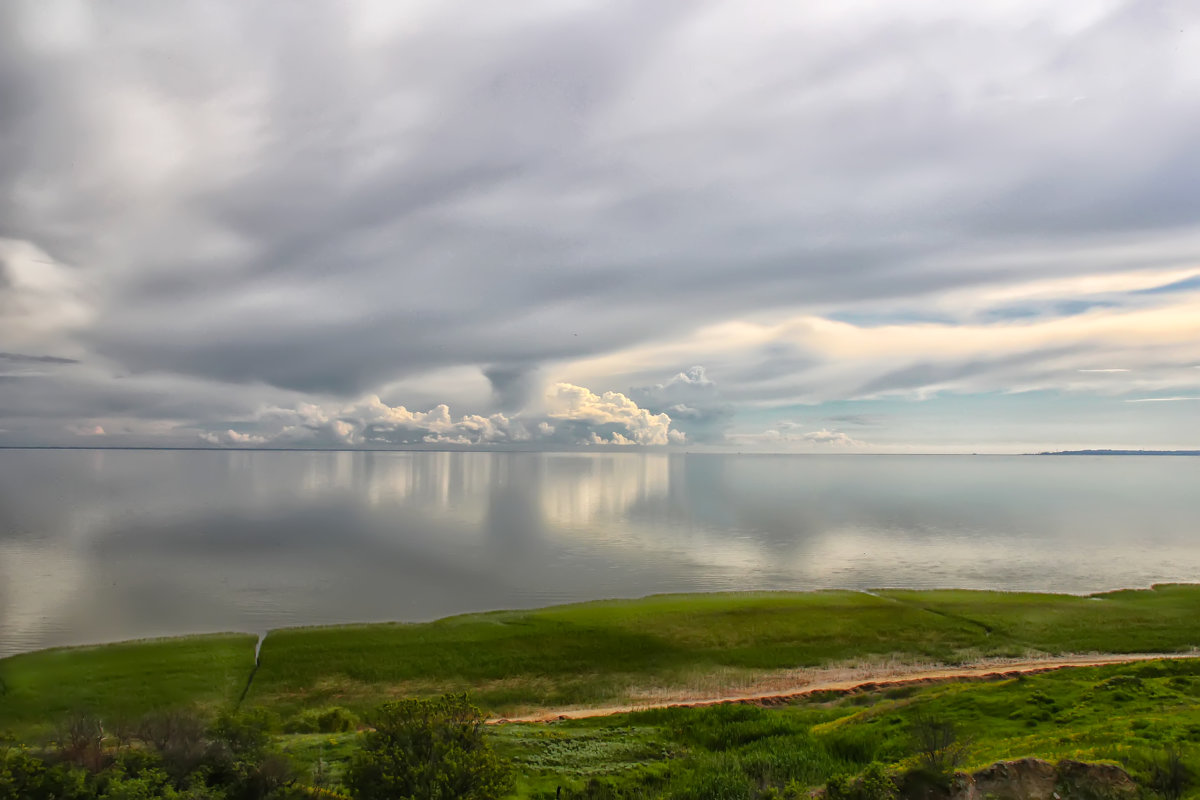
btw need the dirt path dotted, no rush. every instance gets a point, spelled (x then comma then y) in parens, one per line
(799, 683)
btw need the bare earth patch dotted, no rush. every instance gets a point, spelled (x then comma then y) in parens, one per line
(780, 686)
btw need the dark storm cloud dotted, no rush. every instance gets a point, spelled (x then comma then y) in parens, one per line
(513, 387)
(322, 202)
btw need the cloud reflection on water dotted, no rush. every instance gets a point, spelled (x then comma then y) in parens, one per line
(105, 545)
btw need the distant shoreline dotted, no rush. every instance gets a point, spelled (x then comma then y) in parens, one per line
(1121, 453)
(579, 449)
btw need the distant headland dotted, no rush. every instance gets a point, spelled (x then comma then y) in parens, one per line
(1122, 453)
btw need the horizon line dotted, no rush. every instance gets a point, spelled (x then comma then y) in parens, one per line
(592, 449)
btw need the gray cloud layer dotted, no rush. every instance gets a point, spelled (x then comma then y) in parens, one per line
(243, 206)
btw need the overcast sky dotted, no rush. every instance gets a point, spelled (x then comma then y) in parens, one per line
(863, 226)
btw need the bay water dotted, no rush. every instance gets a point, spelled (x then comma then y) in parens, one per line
(103, 545)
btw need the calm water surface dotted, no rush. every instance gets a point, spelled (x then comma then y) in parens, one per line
(104, 545)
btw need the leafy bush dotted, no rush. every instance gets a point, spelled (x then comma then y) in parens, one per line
(427, 750)
(322, 720)
(25, 777)
(873, 784)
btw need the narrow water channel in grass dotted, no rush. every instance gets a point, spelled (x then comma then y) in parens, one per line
(105, 545)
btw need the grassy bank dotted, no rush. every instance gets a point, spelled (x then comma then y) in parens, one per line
(590, 653)
(617, 651)
(614, 651)
(123, 680)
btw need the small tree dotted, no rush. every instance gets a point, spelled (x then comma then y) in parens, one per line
(427, 750)
(939, 746)
(179, 738)
(81, 742)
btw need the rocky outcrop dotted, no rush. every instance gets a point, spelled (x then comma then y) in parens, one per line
(1035, 779)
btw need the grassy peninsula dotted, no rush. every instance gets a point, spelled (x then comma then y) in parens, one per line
(632, 651)
(600, 653)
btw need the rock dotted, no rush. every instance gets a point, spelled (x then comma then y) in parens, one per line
(1037, 779)
(1095, 781)
(1023, 779)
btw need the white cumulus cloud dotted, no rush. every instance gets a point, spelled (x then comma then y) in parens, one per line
(231, 438)
(613, 417)
(573, 415)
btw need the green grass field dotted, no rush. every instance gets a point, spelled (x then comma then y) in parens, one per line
(1126, 714)
(591, 653)
(123, 680)
(609, 652)
(1126, 621)
(605, 652)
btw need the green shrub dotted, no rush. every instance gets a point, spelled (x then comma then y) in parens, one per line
(246, 733)
(322, 720)
(839, 787)
(427, 749)
(26, 777)
(923, 782)
(873, 784)
(876, 784)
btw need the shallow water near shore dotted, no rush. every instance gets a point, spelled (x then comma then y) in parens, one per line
(106, 545)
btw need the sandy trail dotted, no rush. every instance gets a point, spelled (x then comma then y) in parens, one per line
(798, 683)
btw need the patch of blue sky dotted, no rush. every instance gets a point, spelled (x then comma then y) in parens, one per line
(993, 421)
(1184, 285)
(1055, 308)
(1023, 311)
